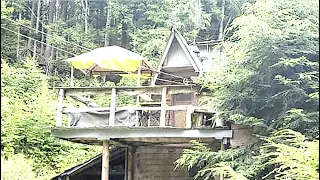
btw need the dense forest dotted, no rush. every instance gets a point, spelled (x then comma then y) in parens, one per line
(266, 77)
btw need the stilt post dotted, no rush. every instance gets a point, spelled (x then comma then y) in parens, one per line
(105, 160)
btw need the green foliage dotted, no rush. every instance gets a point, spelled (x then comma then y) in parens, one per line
(27, 111)
(292, 154)
(5, 11)
(286, 154)
(151, 43)
(7, 39)
(267, 77)
(263, 74)
(235, 163)
(17, 168)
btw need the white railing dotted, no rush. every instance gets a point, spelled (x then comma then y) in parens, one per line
(163, 109)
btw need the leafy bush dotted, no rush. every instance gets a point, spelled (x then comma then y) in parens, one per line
(17, 167)
(28, 110)
(284, 155)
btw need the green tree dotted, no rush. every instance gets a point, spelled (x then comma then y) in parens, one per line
(10, 170)
(267, 77)
(286, 154)
(27, 113)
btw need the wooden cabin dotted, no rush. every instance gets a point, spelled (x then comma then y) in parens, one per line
(151, 133)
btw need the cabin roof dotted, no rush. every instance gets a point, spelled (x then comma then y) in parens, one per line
(195, 61)
(188, 51)
(79, 167)
(89, 163)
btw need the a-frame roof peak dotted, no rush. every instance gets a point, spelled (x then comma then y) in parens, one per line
(192, 57)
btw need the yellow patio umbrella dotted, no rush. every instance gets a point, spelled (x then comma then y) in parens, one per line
(111, 59)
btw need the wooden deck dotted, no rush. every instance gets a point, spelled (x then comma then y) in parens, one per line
(153, 118)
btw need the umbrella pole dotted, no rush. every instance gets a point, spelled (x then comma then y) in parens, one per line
(71, 76)
(139, 76)
(90, 78)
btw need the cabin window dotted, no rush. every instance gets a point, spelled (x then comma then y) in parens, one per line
(183, 97)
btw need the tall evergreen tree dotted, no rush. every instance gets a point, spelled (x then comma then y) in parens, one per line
(266, 77)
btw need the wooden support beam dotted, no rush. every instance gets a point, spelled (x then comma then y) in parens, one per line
(131, 108)
(137, 114)
(188, 118)
(129, 164)
(171, 89)
(59, 108)
(126, 165)
(112, 106)
(105, 161)
(133, 161)
(85, 101)
(163, 107)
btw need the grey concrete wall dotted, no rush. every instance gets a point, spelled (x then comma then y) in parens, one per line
(242, 135)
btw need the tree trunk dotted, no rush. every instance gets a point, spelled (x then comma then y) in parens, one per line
(47, 52)
(57, 11)
(135, 16)
(106, 36)
(85, 8)
(18, 38)
(221, 33)
(37, 28)
(31, 23)
(42, 40)
(197, 18)
(64, 8)
(124, 34)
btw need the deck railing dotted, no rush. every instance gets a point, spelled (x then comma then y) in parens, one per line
(163, 91)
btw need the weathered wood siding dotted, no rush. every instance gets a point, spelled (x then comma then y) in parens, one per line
(179, 117)
(157, 163)
(176, 56)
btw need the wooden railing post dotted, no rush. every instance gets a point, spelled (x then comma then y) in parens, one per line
(137, 114)
(163, 107)
(59, 108)
(188, 118)
(112, 107)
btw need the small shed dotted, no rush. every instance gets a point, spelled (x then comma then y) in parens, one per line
(91, 169)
